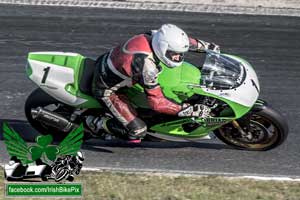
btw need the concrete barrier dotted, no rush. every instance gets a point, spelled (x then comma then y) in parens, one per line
(258, 7)
(235, 3)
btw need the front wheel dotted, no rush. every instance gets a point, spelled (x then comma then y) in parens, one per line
(61, 174)
(262, 129)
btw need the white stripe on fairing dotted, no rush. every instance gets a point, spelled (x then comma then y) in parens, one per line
(195, 173)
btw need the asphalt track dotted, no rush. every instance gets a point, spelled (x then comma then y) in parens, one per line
(271, 44)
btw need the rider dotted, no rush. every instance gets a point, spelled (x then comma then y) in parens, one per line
(137, 61)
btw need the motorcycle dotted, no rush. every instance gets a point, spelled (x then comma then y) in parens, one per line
(226, 83)
(65, 168)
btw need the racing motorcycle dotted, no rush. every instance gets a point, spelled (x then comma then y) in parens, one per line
(227, 84)
(66, 167)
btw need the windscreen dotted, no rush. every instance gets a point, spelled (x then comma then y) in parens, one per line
(220, 72)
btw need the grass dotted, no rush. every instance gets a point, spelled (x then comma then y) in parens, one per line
(119, 186)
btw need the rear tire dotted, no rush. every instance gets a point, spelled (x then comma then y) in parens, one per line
(265, 128)
(39, 98)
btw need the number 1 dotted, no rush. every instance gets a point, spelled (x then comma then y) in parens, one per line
(46, 70)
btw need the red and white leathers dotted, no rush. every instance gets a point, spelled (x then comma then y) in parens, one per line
(127, 64)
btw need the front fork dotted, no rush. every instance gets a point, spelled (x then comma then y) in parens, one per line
(241, 130)
(259, 105)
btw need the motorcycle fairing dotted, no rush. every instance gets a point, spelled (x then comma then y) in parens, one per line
(178, 84)
(58, 74)
(247, 92)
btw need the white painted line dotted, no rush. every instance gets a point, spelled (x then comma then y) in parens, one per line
(161, 172)
(272, 178)
(161, 6)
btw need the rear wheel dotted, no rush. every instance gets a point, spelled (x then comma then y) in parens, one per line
(38, 98)
(262, 129)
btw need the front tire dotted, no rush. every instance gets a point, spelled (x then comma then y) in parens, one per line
(260, 130)
(61, 174)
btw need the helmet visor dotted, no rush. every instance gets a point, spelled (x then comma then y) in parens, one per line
(175, 56)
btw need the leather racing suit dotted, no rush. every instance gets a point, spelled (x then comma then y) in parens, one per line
(123, 66)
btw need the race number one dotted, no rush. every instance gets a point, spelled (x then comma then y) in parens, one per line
(46, 70)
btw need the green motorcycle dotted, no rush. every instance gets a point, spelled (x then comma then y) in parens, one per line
(226, 83)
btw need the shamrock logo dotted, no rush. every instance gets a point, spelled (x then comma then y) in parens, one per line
(43, 147)
(17, 147)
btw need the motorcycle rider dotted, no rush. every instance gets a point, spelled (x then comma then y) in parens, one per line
(137, 61)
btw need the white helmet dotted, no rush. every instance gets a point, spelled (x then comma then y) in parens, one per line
(169, 44)
(79, 157)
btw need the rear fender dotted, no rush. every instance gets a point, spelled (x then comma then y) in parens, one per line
(58, 74)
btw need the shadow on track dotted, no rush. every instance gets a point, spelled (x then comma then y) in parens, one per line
(29, 135)
(22, 128)
(158, 145)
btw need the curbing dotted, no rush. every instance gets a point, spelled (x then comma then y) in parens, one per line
(260, 7)
(236, 3)
(176, 173)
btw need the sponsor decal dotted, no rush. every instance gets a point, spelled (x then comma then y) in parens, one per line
(254, 84)
(215, 121)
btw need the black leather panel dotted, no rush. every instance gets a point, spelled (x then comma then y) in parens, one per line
(85, 84)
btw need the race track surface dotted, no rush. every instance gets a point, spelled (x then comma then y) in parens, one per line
(271, 44)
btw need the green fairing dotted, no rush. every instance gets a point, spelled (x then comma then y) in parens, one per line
(178, 84)
(28, 69)
(62, 60)
(74, 62)
(175, 81)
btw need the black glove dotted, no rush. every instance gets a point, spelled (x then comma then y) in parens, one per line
(197, 110)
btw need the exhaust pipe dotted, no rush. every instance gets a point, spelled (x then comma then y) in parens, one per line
(52, 119)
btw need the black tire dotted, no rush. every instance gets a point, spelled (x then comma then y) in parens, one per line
(39, 98)
(263, 118)
(70, 178)
(44, 178)
(61, 174)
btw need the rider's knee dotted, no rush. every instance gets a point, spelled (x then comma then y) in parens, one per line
(137, 127)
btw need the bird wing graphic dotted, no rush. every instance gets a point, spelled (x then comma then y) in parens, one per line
(72, 143)
(15, 145)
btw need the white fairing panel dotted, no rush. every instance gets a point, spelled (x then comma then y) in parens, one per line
(53, 79)
(10, 168)
(247, 93)
(36, 169)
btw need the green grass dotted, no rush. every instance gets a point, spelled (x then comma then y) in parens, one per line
(115, 186)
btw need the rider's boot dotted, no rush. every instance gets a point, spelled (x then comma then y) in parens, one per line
(137, 131)
(111, 127)
(97, 125)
